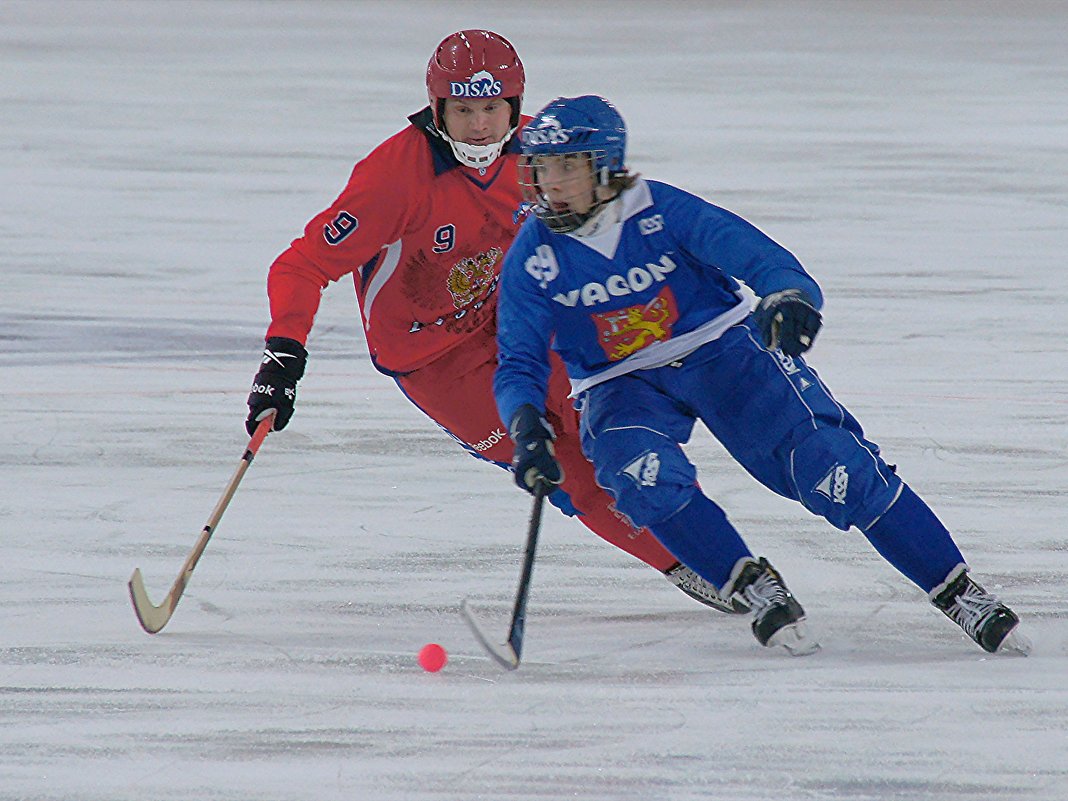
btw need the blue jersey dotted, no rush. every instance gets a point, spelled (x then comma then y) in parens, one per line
(654, 281)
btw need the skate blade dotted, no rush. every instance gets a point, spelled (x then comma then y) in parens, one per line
(1015, 644)
(796, 639)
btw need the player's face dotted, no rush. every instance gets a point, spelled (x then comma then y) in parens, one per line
(566, 181)
(483, 121)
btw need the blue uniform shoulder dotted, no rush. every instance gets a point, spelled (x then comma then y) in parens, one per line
(671, 198)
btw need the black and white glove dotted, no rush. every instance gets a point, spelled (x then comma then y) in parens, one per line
(275, 386)
(788, 321)
(535, 458)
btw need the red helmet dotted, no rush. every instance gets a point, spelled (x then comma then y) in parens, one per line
(474, 64)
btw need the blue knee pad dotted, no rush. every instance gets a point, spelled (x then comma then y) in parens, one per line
(646, 472)
(840, 478)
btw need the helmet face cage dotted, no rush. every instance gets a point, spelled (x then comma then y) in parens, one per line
(475, 65)
(587, 128)
(575, 176)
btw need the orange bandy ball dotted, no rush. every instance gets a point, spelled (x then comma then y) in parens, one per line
(433, 657)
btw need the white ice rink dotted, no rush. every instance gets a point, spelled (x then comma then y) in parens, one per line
(156, 156)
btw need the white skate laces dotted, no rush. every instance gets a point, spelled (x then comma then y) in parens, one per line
(700, 590)
(972, 610)
(764, 593)
(986, 620)
(778, 618)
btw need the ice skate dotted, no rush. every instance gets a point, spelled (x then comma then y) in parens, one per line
(700, 590)
(993, 626)
(778, 619)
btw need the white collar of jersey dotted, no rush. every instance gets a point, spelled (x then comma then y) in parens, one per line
(607, 215)
(603, 231)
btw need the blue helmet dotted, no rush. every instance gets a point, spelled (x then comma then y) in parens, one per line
(588, 129)
(577, 125)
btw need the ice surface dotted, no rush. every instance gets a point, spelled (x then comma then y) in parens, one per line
(155, 158)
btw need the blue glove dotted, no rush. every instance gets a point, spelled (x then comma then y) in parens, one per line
(788, 321)
(535, 458)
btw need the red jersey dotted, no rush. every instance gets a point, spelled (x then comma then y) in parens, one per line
(423, 238)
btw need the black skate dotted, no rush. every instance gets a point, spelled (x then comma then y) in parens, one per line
(778, 618)
(700, 590)
(982, 616)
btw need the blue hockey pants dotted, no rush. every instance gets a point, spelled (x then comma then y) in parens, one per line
(774, 415)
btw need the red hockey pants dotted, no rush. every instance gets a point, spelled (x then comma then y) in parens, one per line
(456, 391)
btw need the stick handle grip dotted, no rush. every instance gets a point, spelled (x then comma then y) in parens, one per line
(258, 436)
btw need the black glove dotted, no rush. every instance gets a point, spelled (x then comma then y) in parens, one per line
(789, 321)
(534, 457)
(275, 385)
